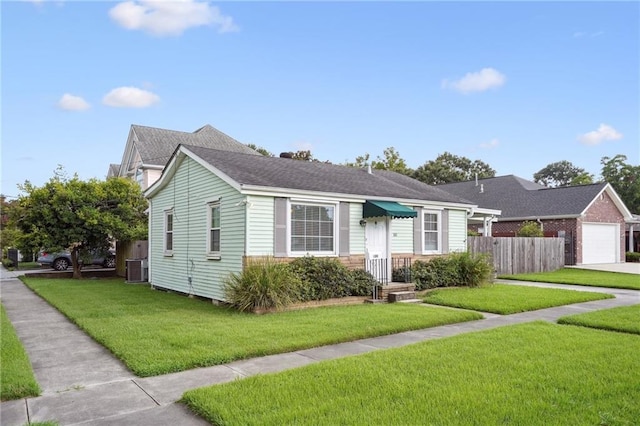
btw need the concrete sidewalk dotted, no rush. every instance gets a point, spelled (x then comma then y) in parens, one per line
(83, 383)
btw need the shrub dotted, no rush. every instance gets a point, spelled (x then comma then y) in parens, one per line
(530, 228)
(263, 284)
(456, 269)
(632, 256)
(326, 278)
(7, 263)
(473, 270)
(402, 274)
(363, 283)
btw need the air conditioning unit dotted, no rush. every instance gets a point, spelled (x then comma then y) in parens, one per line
(137, 270)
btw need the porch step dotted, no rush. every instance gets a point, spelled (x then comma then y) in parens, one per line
(400, 296)
(411, 301)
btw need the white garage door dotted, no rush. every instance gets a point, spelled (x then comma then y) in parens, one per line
(600, 243)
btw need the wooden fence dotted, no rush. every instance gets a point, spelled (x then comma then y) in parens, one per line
(129, 250)
(519, 255)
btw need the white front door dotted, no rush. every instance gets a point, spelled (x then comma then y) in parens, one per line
(375, 234)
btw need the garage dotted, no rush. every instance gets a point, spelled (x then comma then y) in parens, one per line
(600, 243)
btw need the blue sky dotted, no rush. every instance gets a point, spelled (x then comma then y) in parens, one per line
(517, 85)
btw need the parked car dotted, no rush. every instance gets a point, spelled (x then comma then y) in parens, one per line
(62, 260)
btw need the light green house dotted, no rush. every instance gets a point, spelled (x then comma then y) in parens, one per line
(211, 210)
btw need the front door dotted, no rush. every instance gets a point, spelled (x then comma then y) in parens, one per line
(375, 234)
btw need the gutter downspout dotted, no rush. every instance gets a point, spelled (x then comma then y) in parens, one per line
(541, 225)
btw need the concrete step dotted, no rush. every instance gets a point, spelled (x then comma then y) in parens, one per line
(398, 296)
(411, 301)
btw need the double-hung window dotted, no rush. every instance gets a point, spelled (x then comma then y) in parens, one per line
(432, 234)
(312, 228)
(168, 232)
(213, 229)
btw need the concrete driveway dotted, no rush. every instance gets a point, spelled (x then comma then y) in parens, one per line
(627, 268)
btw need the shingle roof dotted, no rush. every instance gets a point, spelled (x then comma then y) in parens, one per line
(156, 146)
(520, 198)
(284, 173)
(114, 170)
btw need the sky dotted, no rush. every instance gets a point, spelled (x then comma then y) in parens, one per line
(517, 85)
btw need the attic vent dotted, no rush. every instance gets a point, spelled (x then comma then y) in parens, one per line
(286, 155)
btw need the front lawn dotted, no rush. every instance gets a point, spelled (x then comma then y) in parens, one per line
(18, 380)
(154, 332)
(624, 318)
(582, 277)
(535, 373)
(507, 299)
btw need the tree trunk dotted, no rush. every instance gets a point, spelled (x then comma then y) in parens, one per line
(75, 262)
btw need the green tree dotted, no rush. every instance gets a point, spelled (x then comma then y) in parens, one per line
(624, 178)
(391, 161)
(530, 228)
(79, 216)
(562, 173)
(448, 168)
(260, 149)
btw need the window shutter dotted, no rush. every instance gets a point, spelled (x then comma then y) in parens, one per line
(343, 235)
(445, 231)
(280, 228)
(417, 231)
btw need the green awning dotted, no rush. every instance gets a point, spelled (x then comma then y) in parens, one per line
(387, 208)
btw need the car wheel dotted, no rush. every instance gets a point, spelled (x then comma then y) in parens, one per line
(110, 262)
(60, 264)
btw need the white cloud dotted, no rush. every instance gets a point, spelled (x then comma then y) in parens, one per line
(583, 34)
(130, 97)
(73, 103)
(493, 143)
(169, 18)
(596, 137)
(485, 79)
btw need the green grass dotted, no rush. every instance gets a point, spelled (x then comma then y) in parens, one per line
(625, 319)
(582, 277)
(155, 332)
(536, 373)
(507, 299)
(17, 380)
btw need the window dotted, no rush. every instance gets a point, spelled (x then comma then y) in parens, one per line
(213, 229)
(312, 228)
(431, 231)
(168, 232)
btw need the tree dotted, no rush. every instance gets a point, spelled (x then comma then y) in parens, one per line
(530, 228)
(448, 168)
(562, 173)
(80, 216)
(624, 178)
(391, 161)
(260, 149)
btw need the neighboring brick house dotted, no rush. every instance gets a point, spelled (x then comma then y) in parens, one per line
(591, 218)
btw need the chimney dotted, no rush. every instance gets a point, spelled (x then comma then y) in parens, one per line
(369, 169)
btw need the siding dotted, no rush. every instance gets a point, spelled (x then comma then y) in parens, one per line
(402, 235)
(188, 193)
(457, 230)
(260, 226)
(356, 232)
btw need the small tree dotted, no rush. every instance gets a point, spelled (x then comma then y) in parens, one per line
(79, 216)
(530, 229)
(448, 168)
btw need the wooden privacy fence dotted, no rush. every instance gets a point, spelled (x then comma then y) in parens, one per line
(520, 255)
(129, 250)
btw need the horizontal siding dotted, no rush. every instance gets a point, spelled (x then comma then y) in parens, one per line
(457, 230)
(356, 232)
(402, 235)
(260, 226)
(188, 193)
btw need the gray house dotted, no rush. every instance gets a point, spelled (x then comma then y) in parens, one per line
(212, 210)
(149, 148)
(591, 218)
